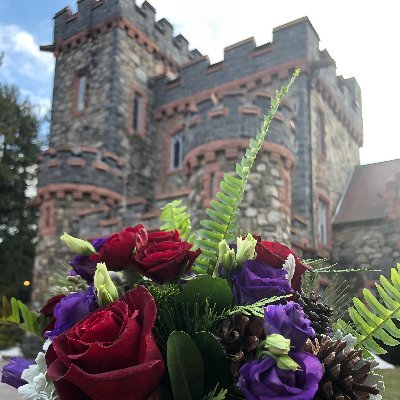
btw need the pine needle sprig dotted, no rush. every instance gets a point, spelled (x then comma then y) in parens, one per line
(175, 216)
(223, 212)
(257, 308)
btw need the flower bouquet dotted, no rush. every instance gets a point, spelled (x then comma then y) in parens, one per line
(212, 315)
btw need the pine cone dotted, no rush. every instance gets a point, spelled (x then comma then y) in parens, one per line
(345, 371)
(318, 313)
(239, 336)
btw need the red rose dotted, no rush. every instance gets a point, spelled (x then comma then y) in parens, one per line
(117, 251)
(165, 257)
(275, 255)
(110, 354)
(48, 311)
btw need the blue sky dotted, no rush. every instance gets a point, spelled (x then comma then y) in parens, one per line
(363, 41)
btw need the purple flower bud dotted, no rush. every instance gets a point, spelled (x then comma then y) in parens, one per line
(289, 321)
(71, 309)
(262, 379)
(256, 281)
(83, 265)
(12, 372)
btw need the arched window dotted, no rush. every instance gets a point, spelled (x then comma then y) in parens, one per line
(176, 151)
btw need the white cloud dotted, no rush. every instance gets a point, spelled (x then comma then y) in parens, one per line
(42, 105)
(22, 56)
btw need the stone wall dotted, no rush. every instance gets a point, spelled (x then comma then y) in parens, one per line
(369, 244)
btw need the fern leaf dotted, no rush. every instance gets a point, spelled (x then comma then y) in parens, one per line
(175, 216)
(374, 320)
(223, 213)
(15, 312)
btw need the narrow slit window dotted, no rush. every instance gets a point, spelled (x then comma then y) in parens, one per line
(176, 152)
(212, 183)
(321, 132)
(137, 112)
(323, 222)
(82, 86)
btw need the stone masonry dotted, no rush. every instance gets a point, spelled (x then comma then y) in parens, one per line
(110, 162)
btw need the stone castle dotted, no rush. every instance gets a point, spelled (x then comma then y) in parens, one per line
(138, 120)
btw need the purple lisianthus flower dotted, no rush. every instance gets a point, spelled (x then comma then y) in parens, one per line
(256, 281)
(83, 265)
(289, 321)
(262, 379)
(12, 372)
(71, 309)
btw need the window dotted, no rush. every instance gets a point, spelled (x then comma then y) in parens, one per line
(212, 183)
(321, 132)
(176, 151)
(323, 222)
(137, 112)
(81, 94)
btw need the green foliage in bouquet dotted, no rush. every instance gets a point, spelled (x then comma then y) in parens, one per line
(17, 313)
(374, 320)
(175, 216)
(223, 212)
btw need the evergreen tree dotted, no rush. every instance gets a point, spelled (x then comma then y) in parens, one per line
(19, 149)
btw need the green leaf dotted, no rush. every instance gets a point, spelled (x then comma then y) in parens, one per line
(216, 365)
(185, 367)
(375, 321)
(17, 313)
(175, 216)
(215, 291)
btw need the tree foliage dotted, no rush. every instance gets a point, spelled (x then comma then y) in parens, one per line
(19, 149)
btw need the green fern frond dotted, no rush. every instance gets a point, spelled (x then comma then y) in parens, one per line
(175, 216)
(15, 312)
(216, 394)
(374, 320)
(257, 308)
(223, 212)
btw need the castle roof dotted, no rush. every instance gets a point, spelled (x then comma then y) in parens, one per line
(364, 198)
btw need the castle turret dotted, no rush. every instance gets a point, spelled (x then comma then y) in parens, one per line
(101, 124)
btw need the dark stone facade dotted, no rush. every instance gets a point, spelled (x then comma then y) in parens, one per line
(102, 172)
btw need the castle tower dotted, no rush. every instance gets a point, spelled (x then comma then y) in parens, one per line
(101, 124)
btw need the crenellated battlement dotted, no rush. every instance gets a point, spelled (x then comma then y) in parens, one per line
(96, 16)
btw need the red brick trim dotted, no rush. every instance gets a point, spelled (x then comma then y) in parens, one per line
(167, 150)
(171, 195)
(210, 169)
(89, 149)
(100, 166)
(85, 212)
(136, 200)
(76, 162)
(282, 70)
(47, 222)
(231, 145)
(53, 163)
(174, 83)
(150, 214)
(138, 91)
(60, 191)
(249, 110)
(195, 61)
(110, 222)
(218, 112)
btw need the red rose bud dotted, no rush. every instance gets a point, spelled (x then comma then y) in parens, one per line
(117, 251)
(275, 255)
(110, 354)
(165, 258)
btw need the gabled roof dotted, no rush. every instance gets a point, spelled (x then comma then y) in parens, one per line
(363, 199)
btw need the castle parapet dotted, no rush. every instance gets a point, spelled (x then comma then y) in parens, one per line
(94, 15)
